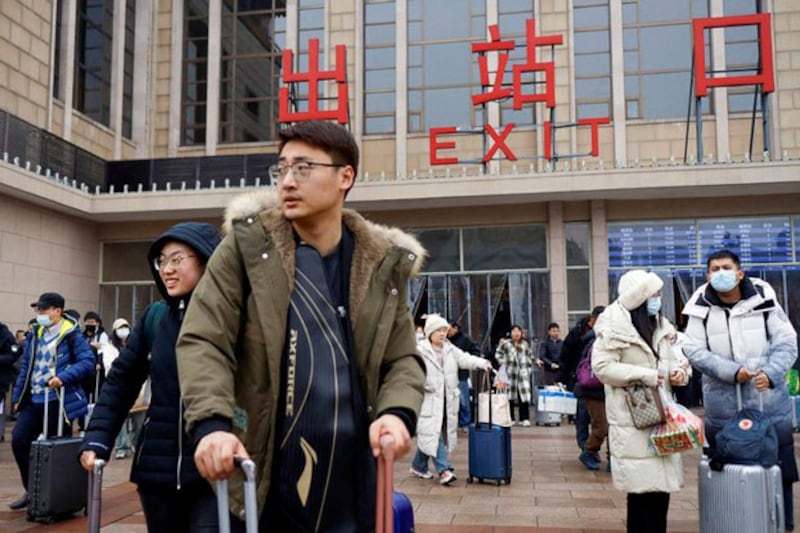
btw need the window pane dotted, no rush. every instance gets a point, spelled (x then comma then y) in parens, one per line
(442, 247)
(577, 239)
(126, 261)
(457, 58)
(667, 47)
(592, 16)
(578, 289)
(665, 95)
(505, 247)
(447, 107)
(380, 124)
(441, 21)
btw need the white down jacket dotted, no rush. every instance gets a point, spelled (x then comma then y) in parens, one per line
(755, 330)
(442, 395)
(620, 357)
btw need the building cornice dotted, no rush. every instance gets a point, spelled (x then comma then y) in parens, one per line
(670, 182)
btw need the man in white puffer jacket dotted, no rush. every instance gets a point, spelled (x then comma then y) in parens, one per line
(738, 333)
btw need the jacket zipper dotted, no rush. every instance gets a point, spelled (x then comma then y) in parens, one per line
(180, 442)
(181, 309)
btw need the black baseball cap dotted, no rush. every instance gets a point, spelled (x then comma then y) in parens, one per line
(49, 299)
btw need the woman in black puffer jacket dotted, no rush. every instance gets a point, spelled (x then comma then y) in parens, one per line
(174, 497)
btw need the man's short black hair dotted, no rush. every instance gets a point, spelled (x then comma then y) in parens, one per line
(723, 254)
(598, 310)
(92, 315)
(331, 138)
(552, 325)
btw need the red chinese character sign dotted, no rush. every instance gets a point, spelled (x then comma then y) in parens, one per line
(764, 78)
(313, 78)
(494, 88)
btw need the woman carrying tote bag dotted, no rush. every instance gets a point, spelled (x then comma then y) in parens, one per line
(635, 346)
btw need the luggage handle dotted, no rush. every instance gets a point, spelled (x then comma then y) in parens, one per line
(94, 499)
(43, 435)
(384, 511)
(250, 505)
(739, 404)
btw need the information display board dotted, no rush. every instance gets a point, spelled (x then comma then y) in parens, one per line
(755, 240)
(652, 244)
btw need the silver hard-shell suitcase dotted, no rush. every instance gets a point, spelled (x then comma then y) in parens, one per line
(741, 498)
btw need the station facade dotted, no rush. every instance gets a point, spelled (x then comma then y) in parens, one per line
(537, 148)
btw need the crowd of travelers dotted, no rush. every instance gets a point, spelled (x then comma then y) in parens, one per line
(287, 338)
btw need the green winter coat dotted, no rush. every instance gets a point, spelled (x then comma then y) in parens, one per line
(232, 340)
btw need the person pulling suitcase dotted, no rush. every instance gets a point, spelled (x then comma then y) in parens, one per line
(56, 355)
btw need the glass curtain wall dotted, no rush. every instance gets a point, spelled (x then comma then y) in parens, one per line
(486, 279)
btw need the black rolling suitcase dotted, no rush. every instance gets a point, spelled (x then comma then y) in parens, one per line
(57, 483)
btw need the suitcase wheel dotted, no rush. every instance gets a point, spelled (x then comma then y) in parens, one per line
(469, 479)
(497, 482)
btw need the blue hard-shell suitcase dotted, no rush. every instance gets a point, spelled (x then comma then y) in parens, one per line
(403, 513)
(489, 453)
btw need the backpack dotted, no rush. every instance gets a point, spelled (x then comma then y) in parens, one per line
(749, 438)
(152, 321)
(584, 373)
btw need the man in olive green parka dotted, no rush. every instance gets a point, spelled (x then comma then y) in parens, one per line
(237, 346)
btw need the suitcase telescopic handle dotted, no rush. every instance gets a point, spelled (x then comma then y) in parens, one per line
(46, 425)
(250, 505)
(384, 511)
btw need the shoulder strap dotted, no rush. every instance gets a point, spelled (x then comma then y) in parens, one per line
(152, 320)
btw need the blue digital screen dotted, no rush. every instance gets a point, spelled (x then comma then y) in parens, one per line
(755, 240)
(651, 244)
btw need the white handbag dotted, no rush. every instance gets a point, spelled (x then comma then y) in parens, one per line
(493, 407)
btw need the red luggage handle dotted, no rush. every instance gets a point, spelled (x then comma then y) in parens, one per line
(384, 509)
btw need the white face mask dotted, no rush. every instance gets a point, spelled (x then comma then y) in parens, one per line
(123, 333)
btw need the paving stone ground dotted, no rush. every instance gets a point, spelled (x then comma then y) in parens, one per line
(550, 492)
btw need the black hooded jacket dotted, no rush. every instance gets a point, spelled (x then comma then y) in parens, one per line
(164, 452)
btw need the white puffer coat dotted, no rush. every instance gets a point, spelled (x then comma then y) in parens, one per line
(755, 331)
(620, 357)
(441, 392)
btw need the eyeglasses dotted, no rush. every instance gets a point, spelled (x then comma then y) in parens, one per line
(301, 170)
(173, 261)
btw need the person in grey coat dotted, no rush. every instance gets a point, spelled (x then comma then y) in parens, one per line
(738, 335)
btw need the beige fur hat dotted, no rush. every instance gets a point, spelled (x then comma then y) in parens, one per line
(636, 286)
(433, 322)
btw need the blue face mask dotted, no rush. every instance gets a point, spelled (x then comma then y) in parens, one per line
(653, 305)
(44, 320)
(724, 280)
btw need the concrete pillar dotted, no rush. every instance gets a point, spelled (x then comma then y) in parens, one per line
(599, 232)
(142, 78)
(69, 21)
(214, 68)
(117, 74)
(175, 78)
(618, 105)
(558, 262)
(401, 88)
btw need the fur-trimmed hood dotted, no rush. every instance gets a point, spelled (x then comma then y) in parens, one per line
(264, 203)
